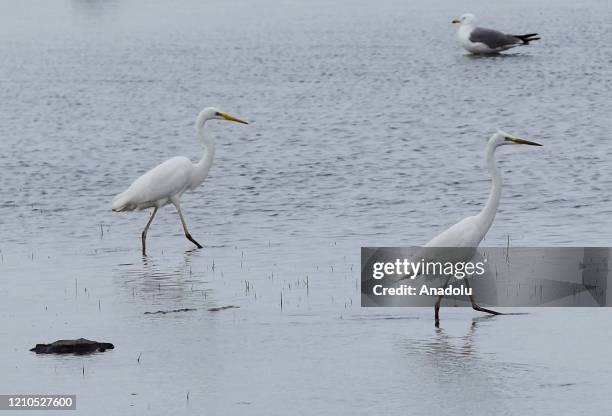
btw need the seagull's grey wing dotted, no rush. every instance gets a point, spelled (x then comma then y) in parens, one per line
(492, 38)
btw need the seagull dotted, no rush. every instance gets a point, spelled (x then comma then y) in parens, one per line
(479, 40)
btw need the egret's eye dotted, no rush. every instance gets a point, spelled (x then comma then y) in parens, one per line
(218, 114)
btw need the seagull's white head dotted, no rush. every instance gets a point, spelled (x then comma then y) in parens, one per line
(501, 138)
(211, 113)
(466, 19)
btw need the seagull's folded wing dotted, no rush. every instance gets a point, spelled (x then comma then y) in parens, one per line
(492, 38)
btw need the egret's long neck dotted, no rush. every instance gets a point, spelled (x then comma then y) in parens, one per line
(487, 215)
(203, 166)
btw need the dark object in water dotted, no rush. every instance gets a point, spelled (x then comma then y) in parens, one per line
(72, 346)
(220, 308)
(172, 311)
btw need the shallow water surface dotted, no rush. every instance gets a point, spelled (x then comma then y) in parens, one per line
(368, 126)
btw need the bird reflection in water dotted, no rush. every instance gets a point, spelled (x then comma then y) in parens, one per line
(462, 363)
(153, 279)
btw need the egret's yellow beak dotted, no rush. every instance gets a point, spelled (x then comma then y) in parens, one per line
(517, 140)
(231, 118)
(456, 21)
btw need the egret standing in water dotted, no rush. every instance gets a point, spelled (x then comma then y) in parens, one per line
(469, 232)
(167, 182)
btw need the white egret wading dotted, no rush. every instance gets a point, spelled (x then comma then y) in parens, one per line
(469, 232)
(479, 40)
(167, 182)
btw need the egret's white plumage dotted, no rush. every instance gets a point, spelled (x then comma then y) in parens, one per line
(167, 182)
(155, 188)
(480, 40)
(470, 231)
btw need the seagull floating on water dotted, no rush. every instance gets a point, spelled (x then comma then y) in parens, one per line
(479, 40)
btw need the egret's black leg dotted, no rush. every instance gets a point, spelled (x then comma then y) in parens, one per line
(479, 308)
(144, 232)
(437, 307)
(189, 237)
